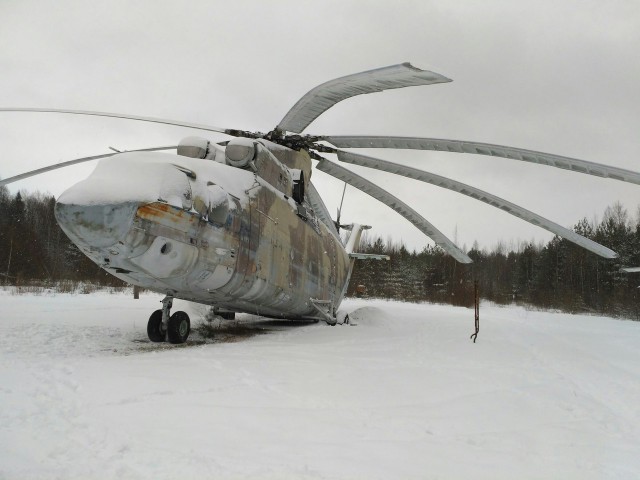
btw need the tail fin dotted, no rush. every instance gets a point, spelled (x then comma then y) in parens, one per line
(352, 245)
(354, 239)
(354, 242)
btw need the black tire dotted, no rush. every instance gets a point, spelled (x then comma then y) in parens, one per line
(154, 327)
(179, 327)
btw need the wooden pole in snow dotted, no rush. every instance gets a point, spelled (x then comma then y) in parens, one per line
(476, 296)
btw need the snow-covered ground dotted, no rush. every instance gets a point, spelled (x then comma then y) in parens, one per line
(404, 394)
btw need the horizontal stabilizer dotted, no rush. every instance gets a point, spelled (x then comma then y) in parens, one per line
(630, 269)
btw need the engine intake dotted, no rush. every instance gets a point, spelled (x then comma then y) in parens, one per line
(240, 152)
(194, 147)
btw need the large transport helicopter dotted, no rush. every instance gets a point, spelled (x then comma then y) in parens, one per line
(238, 225)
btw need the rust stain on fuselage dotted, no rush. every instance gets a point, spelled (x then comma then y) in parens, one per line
(163, 213)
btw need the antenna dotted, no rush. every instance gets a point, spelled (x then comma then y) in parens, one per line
(340, 208)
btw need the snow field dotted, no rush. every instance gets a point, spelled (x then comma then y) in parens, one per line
(404, 394)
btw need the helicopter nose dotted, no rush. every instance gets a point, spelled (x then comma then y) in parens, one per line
(100, 210)
(96, 225)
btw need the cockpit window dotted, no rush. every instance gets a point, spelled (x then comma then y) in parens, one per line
(176, 189)
(218, 204)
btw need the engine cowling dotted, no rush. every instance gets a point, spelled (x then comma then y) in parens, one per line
(240, 152)
(251, 154)
(198, 147)
(194, 147)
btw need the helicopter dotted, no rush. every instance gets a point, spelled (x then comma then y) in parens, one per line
(238, 225)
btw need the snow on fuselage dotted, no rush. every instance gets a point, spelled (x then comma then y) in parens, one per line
(206, 232)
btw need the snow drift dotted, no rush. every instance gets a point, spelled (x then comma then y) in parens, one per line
(404, 394)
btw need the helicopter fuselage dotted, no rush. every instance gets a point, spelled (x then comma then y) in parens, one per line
(208, 232)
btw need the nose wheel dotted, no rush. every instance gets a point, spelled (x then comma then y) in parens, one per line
(154, 327)
(165, 327)
(179, 327)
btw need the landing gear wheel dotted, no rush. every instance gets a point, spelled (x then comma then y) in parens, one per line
(154, 327)
(179, 327)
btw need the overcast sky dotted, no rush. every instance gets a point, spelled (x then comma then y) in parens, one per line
(554, 76)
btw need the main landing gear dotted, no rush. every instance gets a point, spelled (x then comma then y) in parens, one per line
(329, 314)
(163, 326)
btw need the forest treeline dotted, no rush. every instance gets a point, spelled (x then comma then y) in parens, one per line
(557, 275)
(33, 247)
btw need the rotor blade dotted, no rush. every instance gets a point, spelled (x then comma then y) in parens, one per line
(33, 173)
(323, 97)
(481, 195)
(459, 146)
(396, 204)
(122, 115)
